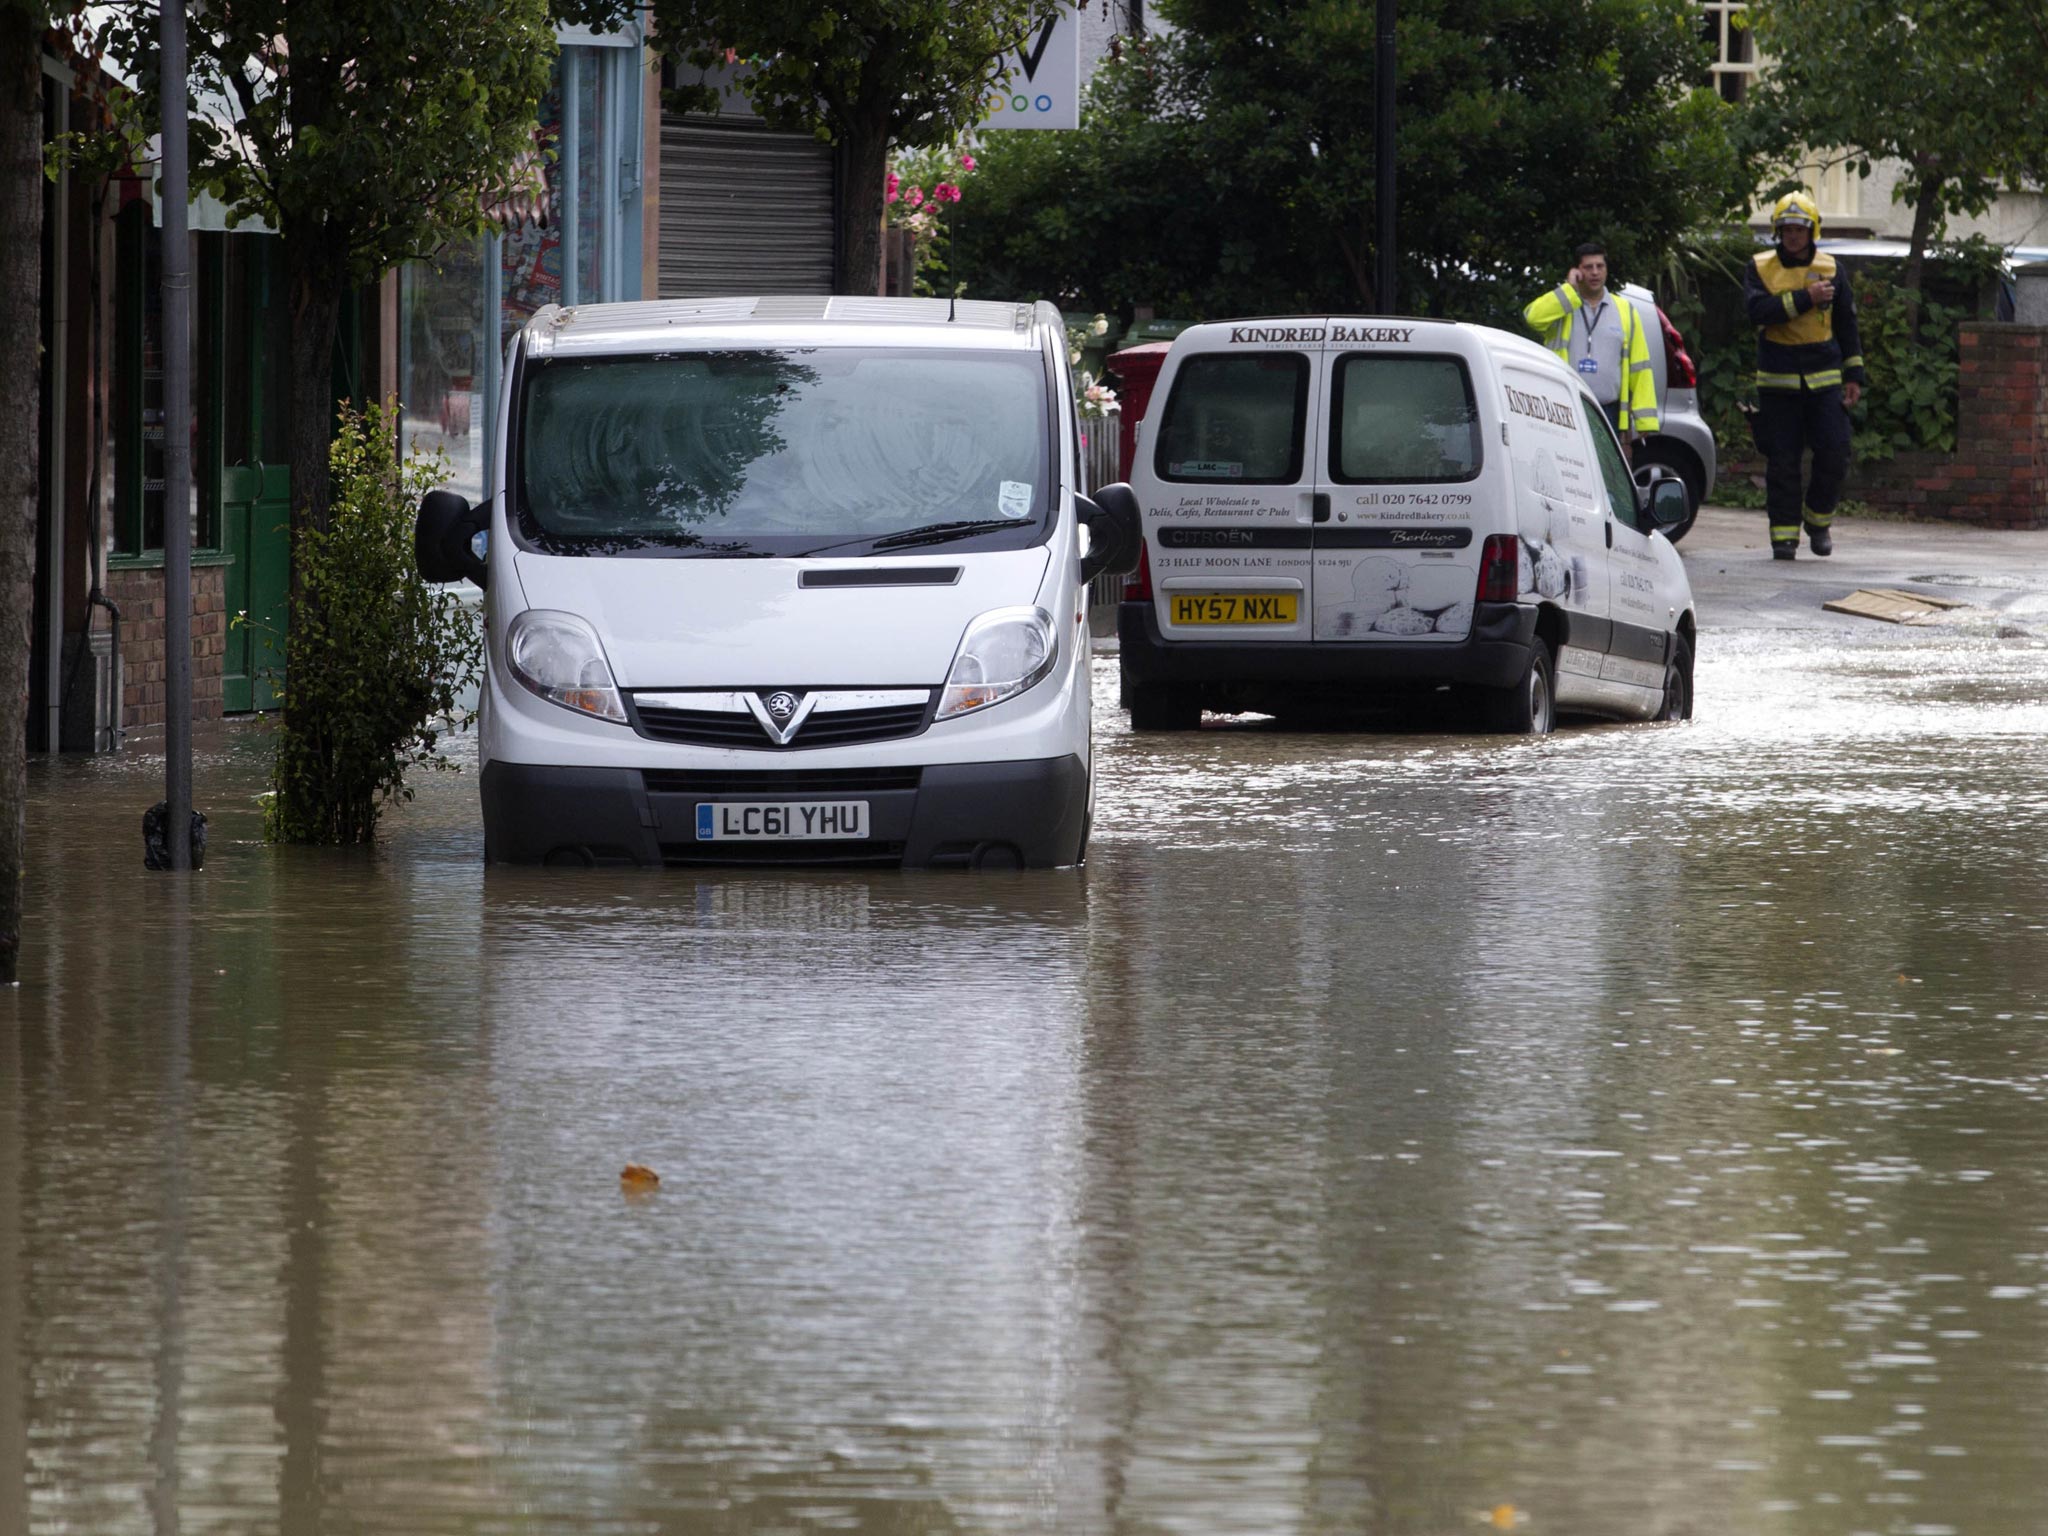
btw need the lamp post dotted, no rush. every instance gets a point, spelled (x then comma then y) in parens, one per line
(177, 363)
(1383, 156)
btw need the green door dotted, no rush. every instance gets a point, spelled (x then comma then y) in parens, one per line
(256, 519)
(253, 339)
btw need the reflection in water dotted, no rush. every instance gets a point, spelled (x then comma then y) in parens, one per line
(1641, 1127)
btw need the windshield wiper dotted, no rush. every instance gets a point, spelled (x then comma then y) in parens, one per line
(929, 533)
(940, 533)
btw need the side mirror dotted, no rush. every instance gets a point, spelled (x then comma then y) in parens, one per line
(443, 538)
(1114, 531)
(1664, 498)
(1670, 506)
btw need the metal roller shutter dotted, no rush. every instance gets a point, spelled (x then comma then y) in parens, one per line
(744, 209)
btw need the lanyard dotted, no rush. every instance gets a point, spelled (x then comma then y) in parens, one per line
(1592, 319)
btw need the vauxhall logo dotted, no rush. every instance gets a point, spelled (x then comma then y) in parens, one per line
(1301, 335)
(780, 713)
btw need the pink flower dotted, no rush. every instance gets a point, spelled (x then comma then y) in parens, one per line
(945, 192)
(967, 163)
(889, 188)
(916, 197)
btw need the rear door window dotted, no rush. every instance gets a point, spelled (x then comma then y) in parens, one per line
(1403, 420)
(1235, 420)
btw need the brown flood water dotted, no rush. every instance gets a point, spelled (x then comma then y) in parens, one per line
(1645, 1129)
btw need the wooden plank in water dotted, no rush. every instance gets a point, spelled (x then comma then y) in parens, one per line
(1893, 606)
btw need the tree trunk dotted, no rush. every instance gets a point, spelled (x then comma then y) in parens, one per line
(863, 172)
(1916, 252)
(21, 262)
(314, 290)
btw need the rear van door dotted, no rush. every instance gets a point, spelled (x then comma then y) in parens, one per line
(1230, 499)
(1407, 476)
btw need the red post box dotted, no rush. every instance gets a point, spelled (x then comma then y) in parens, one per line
(1136, 370)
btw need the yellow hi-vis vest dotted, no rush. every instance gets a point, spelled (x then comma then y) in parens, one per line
(1552, 314)
(1797, 330)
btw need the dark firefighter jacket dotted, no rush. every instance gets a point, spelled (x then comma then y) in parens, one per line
(1799, 345)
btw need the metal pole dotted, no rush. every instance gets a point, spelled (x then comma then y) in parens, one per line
(1383, 157)
(177, 306)
(571, 148)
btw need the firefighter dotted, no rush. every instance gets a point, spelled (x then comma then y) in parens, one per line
(1809, 371)
(1599, 333)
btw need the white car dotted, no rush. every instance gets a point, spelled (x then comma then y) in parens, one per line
(1683, 442)
(785, 580)
(1337, 510)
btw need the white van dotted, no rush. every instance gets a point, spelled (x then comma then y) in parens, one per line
(785, 580)
(1336, 510)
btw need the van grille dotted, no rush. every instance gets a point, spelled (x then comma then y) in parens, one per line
(784, 783)
(683, 720)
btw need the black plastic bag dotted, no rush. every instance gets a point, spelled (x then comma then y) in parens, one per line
(156, 848)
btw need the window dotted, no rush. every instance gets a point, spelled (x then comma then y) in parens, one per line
(139, 467)
(781, 452)
(1727, 32)
(1236, 418)
(1402, 420)
(1614, 470)
(443, 356)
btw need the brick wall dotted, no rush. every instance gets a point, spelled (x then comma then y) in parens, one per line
(139, 594)
(1998, 475)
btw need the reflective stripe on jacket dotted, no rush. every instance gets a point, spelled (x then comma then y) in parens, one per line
(1551, 316)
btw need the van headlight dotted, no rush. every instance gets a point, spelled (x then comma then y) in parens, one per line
(1003, 653)
(557, 656)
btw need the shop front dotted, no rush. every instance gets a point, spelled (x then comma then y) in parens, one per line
(575, 238)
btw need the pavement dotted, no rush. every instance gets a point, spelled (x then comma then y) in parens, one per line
(2001, 574)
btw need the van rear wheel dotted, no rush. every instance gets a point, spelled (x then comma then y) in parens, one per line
(1157, 708)
(1527, 707)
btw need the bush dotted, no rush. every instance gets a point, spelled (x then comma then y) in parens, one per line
(376, 658)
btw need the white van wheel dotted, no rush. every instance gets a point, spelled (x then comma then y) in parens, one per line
(1678, 682)
(1528, 707)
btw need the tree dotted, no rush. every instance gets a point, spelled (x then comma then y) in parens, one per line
(24, 24)
(365, 136)
(864, 76)
(1228, 166)
(1951, 89)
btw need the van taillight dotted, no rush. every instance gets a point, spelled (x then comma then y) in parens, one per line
(1500, 569)
(1138, 585)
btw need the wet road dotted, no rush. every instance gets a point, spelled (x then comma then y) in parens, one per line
(1636, 1131)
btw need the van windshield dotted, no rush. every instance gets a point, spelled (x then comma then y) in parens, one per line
(783, 452)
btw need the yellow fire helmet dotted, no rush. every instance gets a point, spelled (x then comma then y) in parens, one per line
(1796, 208)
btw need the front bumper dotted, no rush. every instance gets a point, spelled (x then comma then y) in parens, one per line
(1494, 655)
(1030, 814)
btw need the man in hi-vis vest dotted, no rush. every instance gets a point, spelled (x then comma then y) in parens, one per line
(1599, 333)
(1809, 371)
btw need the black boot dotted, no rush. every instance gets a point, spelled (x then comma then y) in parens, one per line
(1821, 540)
(1784, 551)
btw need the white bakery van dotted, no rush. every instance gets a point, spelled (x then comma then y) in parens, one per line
(785, 580)
(1339, 510)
